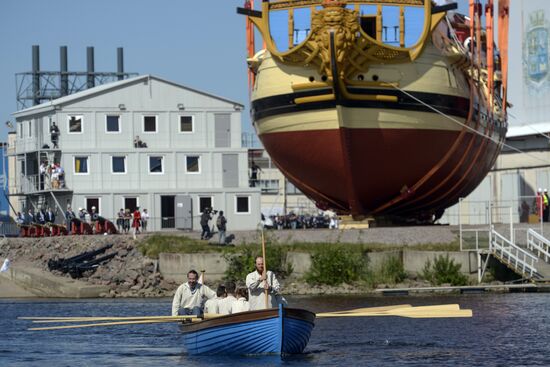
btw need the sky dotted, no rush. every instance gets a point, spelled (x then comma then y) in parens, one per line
(199, 44)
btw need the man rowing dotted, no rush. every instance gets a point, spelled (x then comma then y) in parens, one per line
(257, 283)
(190, 296)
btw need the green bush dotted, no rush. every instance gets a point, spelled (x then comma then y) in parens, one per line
(336, 264)
(391, 271)
(442, 271)
(242, 261)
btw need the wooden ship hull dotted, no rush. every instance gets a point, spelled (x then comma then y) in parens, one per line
(270, 331)
(368, 129)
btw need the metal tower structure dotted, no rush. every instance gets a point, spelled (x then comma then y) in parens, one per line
(39, 86)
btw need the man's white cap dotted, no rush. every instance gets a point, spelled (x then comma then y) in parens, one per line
(93, 207)
(545, 190)
(79, 209)
(540, 190)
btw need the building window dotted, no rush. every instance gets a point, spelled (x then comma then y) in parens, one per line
(186, 124)
(112, 124)
(242, 204)
(269, 186)
(204, 202)
(192, 164)
(75, 124)
(149, 124)
(291, 189)
(118, 164)
(30, 129)
(81, 165)
(155, 164)
(19, 129)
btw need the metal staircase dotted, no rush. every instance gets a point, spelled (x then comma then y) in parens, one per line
(516, 258)
(530, 261)
(539, 246)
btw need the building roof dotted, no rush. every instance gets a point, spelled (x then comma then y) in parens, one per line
(525, 130)
(50, 106)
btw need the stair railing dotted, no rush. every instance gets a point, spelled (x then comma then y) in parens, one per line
(539, 244)
(517, 258)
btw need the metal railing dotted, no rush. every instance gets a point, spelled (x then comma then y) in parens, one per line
(517, 258)
(539, 244)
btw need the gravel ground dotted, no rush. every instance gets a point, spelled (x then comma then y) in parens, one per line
(402, 236)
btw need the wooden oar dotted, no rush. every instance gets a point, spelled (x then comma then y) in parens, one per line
(114, 318)
(411, 314)
(108, 324)
(414, 312)
(265, 270)
(374, 309)
(449, 307)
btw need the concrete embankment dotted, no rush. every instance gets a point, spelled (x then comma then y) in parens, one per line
(24, 280)
(175, 266)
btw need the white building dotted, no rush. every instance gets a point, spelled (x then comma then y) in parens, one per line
(189, 156)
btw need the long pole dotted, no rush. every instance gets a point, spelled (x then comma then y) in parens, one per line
(265, 271)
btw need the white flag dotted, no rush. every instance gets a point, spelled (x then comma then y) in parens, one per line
(5, 266)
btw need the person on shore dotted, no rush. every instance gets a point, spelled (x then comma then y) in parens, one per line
(213, 304)
(144, 220)
(221, 223)
(30, 218)
(136, 222)
(257, 282)
(189, 296)
(70, 216)
(205, 218)
(224, 306)
(120, 220)
(81, 214)
(20, 218)
(127, 219)
(41, 216)
(546, 207)
(94, 217)
(241, 304)
(50, 216)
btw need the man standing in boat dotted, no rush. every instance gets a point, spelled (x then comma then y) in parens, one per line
(189, 297)
(257, 282)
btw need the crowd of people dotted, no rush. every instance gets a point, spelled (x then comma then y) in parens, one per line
(221, 224)
(42, 217)
(195, 298)
(136, 220)
(51, 176)
(302, 221)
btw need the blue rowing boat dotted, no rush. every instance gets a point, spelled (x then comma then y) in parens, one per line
(272, 331)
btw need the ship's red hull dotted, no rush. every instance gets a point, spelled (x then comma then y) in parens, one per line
(399, 172)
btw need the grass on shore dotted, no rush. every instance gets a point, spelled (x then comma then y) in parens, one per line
(153, 245)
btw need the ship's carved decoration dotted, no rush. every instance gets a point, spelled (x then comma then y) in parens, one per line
(334, 19)
(354, 49)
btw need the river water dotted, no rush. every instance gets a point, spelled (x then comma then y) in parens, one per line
(506, 330)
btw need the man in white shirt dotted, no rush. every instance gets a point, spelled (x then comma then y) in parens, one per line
(189, 296)
(224, 305)
(213, 304)
(257, 282)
